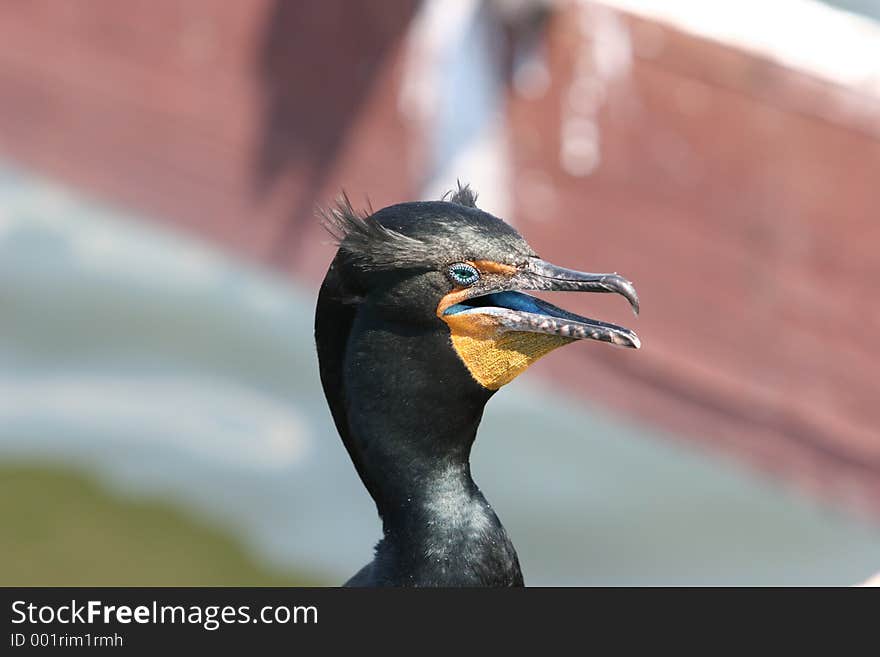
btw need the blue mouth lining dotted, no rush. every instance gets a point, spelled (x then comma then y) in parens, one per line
(509, 300)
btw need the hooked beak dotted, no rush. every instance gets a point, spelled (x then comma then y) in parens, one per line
(510, 310)
(542, 275)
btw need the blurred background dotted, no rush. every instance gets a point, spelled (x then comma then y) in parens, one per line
(161, 419)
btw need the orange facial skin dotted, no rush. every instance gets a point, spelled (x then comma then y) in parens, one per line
(493, 357)
(492, 267)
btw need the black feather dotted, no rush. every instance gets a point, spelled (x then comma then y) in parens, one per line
(464, 195)
(422, 235)
(370, 244)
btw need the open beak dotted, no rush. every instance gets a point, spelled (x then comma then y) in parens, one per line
(510, 310)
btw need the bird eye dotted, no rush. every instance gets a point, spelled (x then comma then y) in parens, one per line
(463, 274)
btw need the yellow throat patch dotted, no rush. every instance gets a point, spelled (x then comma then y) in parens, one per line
(495, 357)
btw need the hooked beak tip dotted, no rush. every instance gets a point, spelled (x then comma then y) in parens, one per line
(628, 290)
(624, 287)
(633, 297)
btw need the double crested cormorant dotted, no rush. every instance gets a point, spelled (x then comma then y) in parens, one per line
(419, 321)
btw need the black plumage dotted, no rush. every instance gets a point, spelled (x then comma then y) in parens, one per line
(407, 354)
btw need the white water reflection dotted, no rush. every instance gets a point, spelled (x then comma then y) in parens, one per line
(204, 417)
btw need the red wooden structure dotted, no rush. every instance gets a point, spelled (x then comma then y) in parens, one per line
(739, 194)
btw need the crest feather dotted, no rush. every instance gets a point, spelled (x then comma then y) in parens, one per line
(464, 195)
(366, 240)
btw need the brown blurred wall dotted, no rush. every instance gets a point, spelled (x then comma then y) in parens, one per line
(741, 196)
(738, 194)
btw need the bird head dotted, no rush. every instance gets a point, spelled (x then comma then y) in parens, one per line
(448, 265)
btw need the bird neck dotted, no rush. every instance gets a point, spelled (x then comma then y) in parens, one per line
(438, 528)
(412, 413)
(446, 533)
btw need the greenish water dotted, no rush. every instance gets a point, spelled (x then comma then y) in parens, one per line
(174, 376)
(63, 529)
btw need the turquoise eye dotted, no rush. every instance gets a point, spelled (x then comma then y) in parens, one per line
(463, 274)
